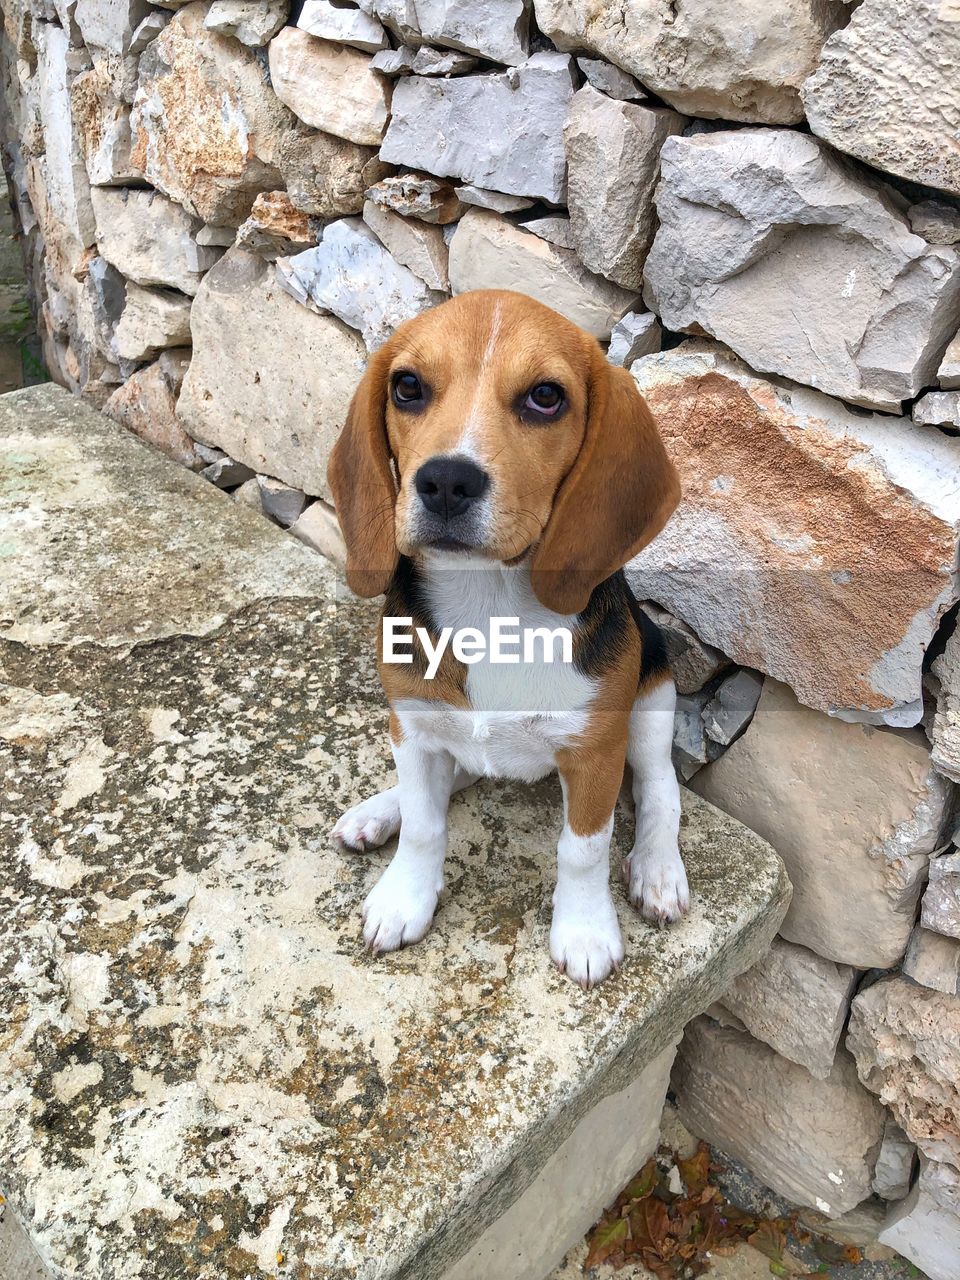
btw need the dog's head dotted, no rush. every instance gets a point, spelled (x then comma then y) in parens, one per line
(493, 426)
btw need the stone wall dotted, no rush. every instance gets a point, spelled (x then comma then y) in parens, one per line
(226, 205)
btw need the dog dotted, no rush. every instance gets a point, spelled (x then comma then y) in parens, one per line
(493, 463)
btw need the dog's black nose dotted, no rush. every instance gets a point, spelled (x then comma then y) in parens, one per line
(449, 486)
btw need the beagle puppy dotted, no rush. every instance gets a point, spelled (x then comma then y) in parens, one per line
(494, 464)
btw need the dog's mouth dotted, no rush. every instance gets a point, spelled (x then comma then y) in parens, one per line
(450, 544)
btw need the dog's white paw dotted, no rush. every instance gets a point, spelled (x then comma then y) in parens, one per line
(399, 908)
(585, 940)
(369, 824)
(657, 884)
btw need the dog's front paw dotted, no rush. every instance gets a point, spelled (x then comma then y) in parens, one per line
(369, 824)
(586, 944)
(399, 908)
(657, 884)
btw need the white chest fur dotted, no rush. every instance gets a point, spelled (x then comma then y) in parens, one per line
(520, 714)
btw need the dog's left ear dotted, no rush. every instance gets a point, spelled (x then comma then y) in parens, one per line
(618, 495)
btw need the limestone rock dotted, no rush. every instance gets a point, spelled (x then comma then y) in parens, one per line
(276, 226)
(853, 812)
(895, 1161)
(394, 62)
(223, 237)
(750, 217)
(106, 290)
(103, 123)
(488, 252)
(146, 405)
(796, 1002)
(933, 960)
(945, 732)
(906, 1041)
(495, 29)
(276, 405)
(441, 62)
(150, 239)
(613, 160)
(152, 321)
(762, 567)
(226, 473)
(279, 501)
(148, 30)
(743, 60)
(948, 375)
(938, 408)
(329, 86)
(248, 495)
(941, 900)
(691, 747)
(412, 243)
(925, 1232)
(936, 221)
(731, 708)
(608, 79)
(342, 24)
(326, 176)
(416, 195)
(319, 528)
(692, 662)
(206, 124)
(887, 90)
(353, 276)
(64, 172)
(495, 200)
(637, 334)
(110, 24)
(252, 22)
(813, 1141)
(555, 230)
(499, 131)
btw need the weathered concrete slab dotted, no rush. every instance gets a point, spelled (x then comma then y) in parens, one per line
(201, 1069)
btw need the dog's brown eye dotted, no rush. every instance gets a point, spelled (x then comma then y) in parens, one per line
(407, 388)
(545, 397)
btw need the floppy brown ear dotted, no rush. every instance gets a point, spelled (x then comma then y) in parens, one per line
(619, 493)
(361, 481)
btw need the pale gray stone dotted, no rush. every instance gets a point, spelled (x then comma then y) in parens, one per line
(329, 86)
(442, 62)
(252, 22)
(227, 473)
(503, 132)
(281, 502)
(150, 239)
(275, 405)
(853, 813)
(110, 24)
(937, 222)
(148, 30)
(731, 708)
(319, 529)
(637, 334)
(735, 59)
(613, 162)
(813, 1141)
(796, 1002)
(941, 900)
(152, 321)
(691, 749)
(693, 663)
(896, 1158)
(342, 24)
(938, 408)
(945, 730)
(555, 230)
(414, 244)
(103, 122)
(353, 276)
(62, 164)
(749, 217)
(248, 495)
(948, 375)
(222, 236)
(489, 252)
(608, 79)
(733, 556)
(933, 960)
(325, 176)
(394, 62)
(887, 90)
(107, 292)
(494, 200)
(495, 29)
(417, 195)
(919, 1229)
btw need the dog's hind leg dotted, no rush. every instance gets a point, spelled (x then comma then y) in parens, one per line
(654, 870)
(376, 820)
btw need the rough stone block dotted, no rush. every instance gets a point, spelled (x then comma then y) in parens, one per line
(555, 230)
(945, 731)
(67, 188)
(343, 25)
(494, 200)
(637, 334)
(763, 567)
(417, 195)
(275, 405)
(502, 131)
(796, 1002)
(495, 29)
(948, 375)
(319, 528)
(330, 86)
(854, 812)
(326, 176)
(941, 899)
(412, 243)
(938, 409)
(895, 1162)
(887, 90)
(926, 1233)
(149, 239)
(279, 501)
(610, 80)
(813, 1141)
(276, 226)
(252, 22)
(749, 218)
(933, 960)
(730, 710)
(146, 405)
(103, 123)
(489, 252)
(152, 320)
(692, 662)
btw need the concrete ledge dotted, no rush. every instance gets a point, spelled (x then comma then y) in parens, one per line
(201, 1069)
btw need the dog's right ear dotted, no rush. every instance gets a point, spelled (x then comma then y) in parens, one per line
(361, 480)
